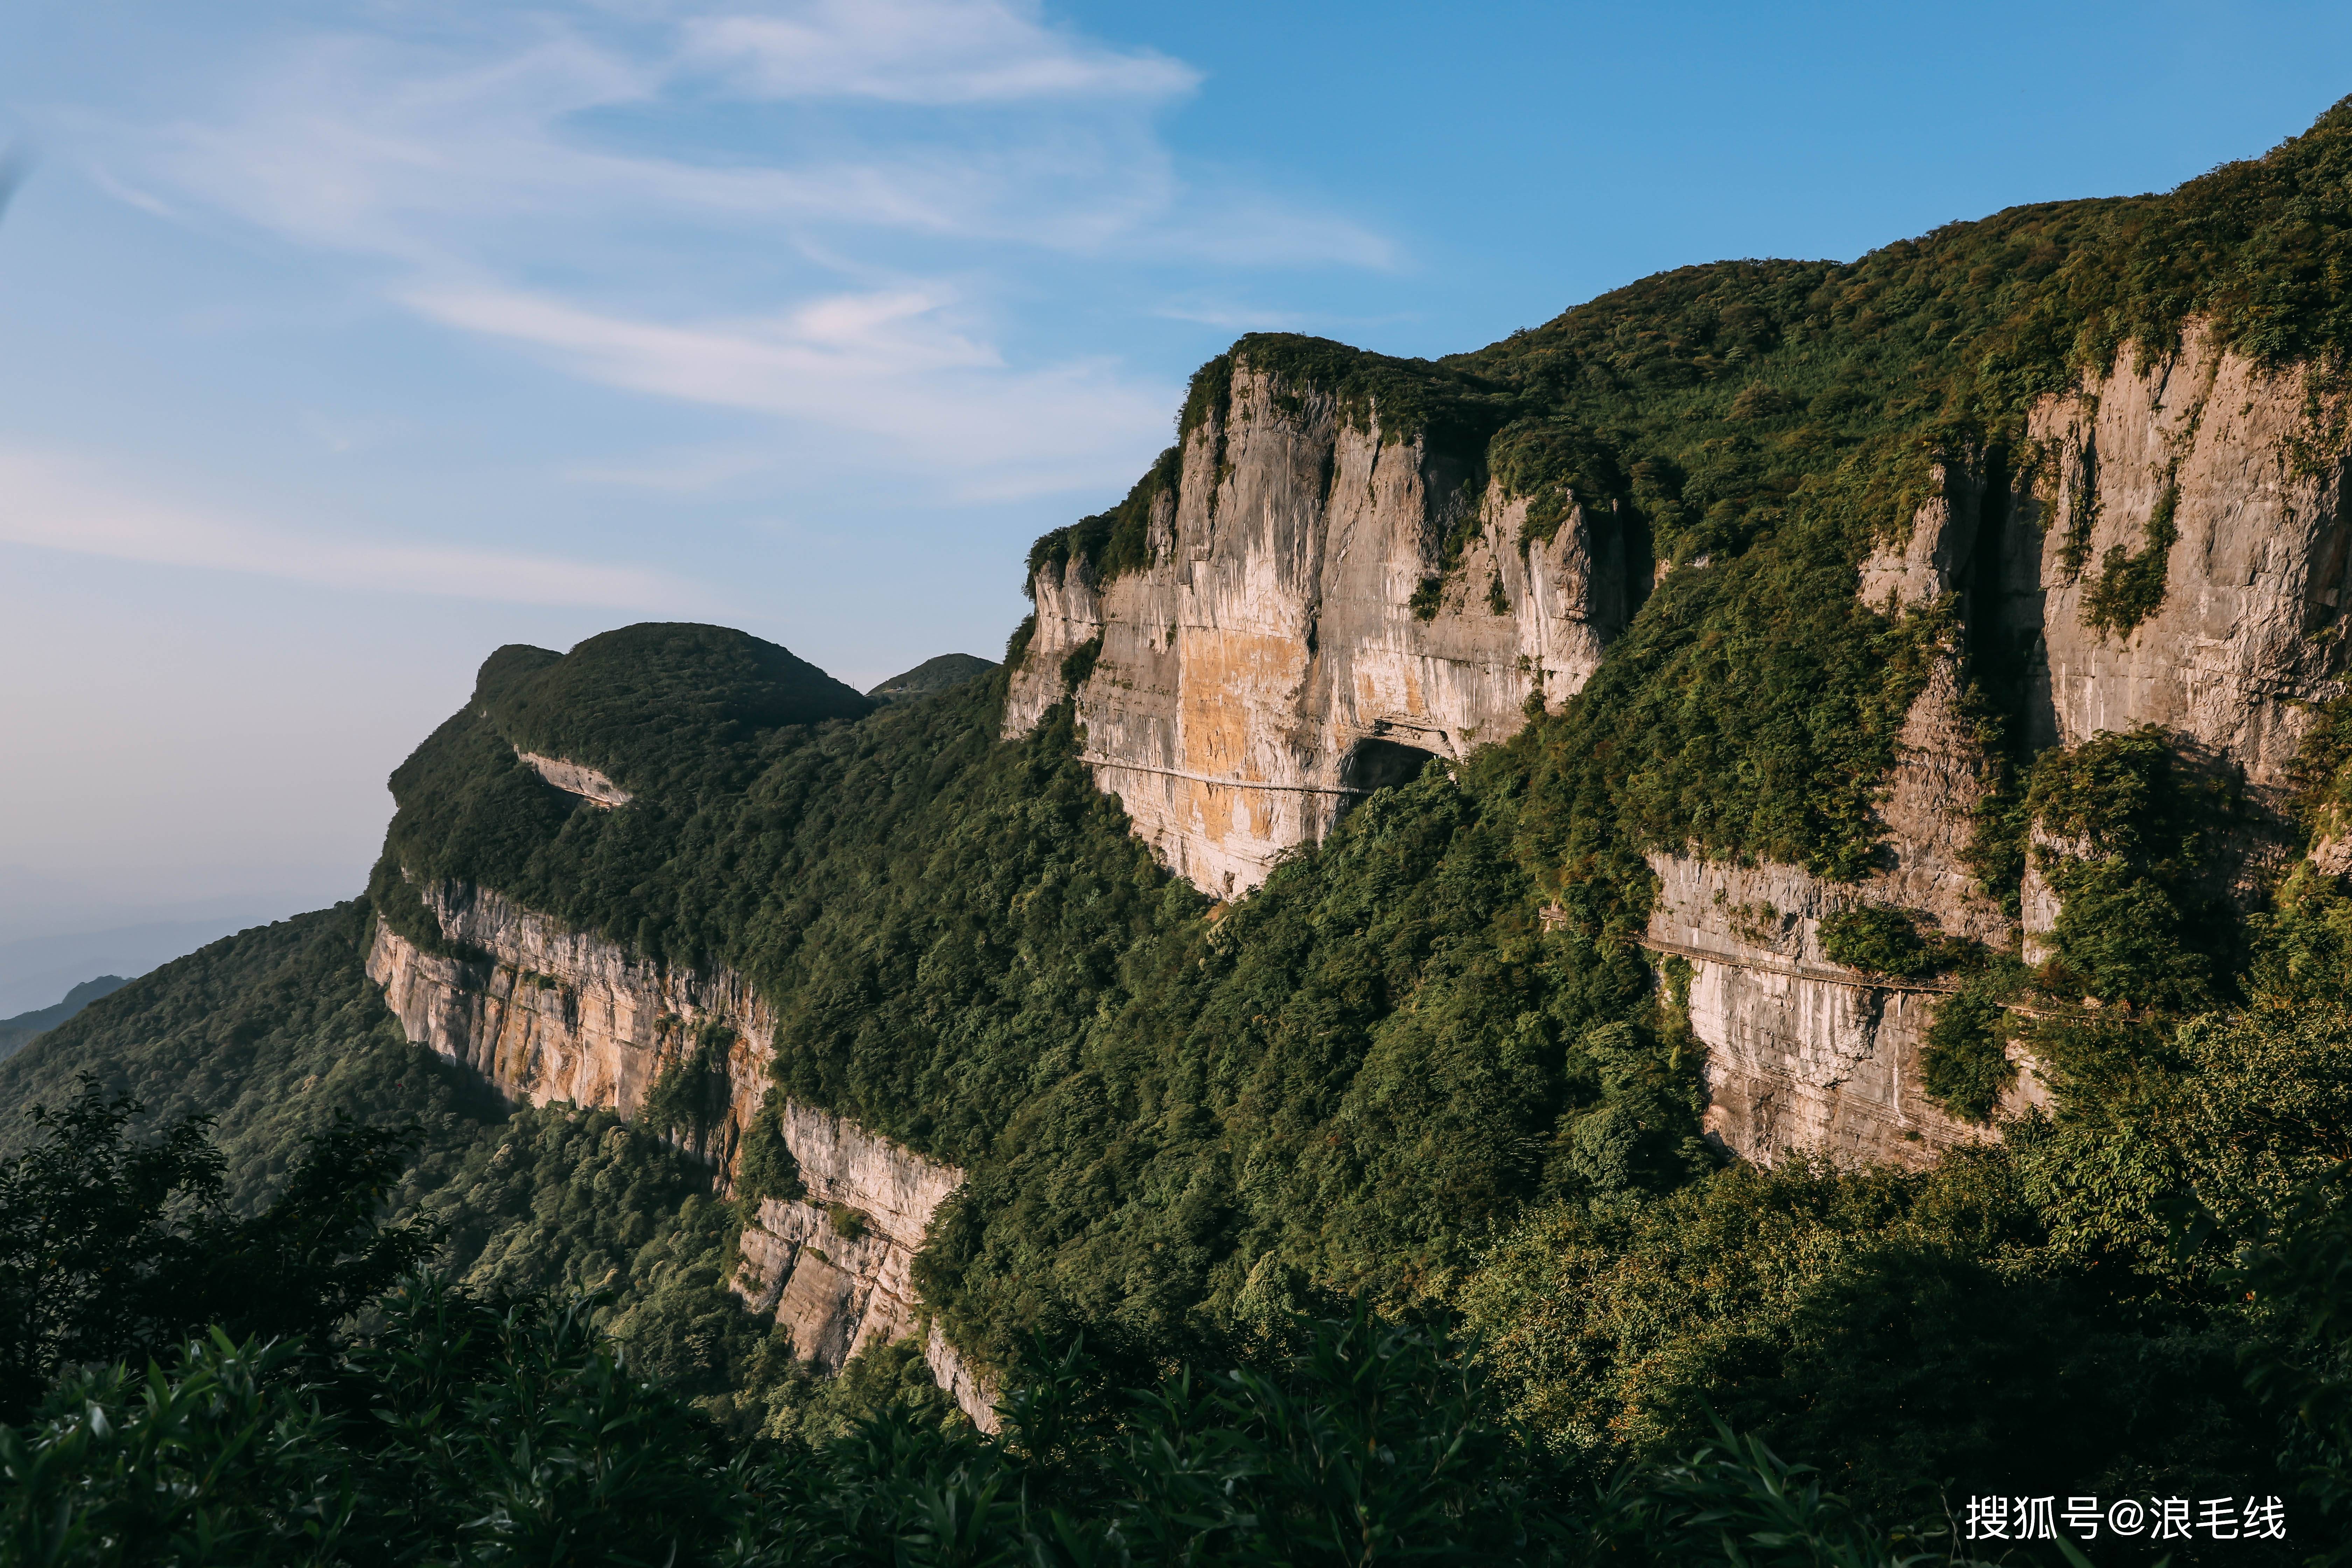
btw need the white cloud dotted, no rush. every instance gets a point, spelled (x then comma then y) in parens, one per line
(130, 196)
(878, 365)
(924, 52)
(59, 503)
(832, 213)
(365, 145)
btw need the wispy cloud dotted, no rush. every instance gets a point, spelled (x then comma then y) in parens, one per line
(925, 52)
(830, 212)
(58, 502)
(874, 366)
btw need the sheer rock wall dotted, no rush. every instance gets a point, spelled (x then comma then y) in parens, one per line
(546, 1014)
(1802, 1053)
(2254, 582)
(836, 1263)
(1273, 633)
(2249, 630)
(2244, 638)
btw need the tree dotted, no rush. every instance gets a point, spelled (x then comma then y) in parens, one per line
(114, 1246)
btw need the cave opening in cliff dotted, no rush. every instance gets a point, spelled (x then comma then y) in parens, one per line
(1378, 765)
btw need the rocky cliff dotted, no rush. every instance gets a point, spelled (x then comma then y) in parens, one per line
(2189, 470)
(2203, 474)
(572, 778)
(834, 1264)
(2164, 551)
(1328, 603)
(1803, 1053)
(550, 1014)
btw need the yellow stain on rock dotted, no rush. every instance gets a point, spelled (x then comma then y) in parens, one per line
(1220, 672)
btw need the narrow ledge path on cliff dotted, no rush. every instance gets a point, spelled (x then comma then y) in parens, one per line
(1853, 982)
(1797, 970)
(1221, 783)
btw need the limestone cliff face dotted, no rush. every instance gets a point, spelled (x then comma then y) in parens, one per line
(2254, 581)
(1802, 1053)
(1268, 665)
(546, 1014)
(557, 1015)
(2255, 575)
(834, 1262)
(2197, 456)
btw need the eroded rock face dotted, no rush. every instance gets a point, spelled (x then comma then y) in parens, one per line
(1930, 796)
(2254, 582)
(558, 1015)
(1268, 667)
(834, 1264)
(575, 778)
(2242, 638)
(1803, 1053)
(553, 1015)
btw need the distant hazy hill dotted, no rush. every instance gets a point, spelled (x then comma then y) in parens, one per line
(40, 962)
(15, 1032)
(934, 675)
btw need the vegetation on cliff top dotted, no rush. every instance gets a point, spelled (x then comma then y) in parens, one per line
(659, 705)
(934, 675)
(1346, 1078)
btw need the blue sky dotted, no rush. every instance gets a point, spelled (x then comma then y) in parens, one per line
(342, 342)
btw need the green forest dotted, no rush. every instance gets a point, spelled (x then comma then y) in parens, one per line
(1369, 1215)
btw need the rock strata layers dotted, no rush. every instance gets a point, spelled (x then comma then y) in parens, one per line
(553, 1015)
(834, 1264)
(1802, 1054)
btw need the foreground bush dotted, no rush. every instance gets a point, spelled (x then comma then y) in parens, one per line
(464, 1429)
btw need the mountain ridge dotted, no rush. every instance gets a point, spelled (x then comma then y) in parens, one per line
(18, 1032)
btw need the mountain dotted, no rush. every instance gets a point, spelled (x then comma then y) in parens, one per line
(17, 1032)
(1758, 844)
(934, 675)
(35, 969)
